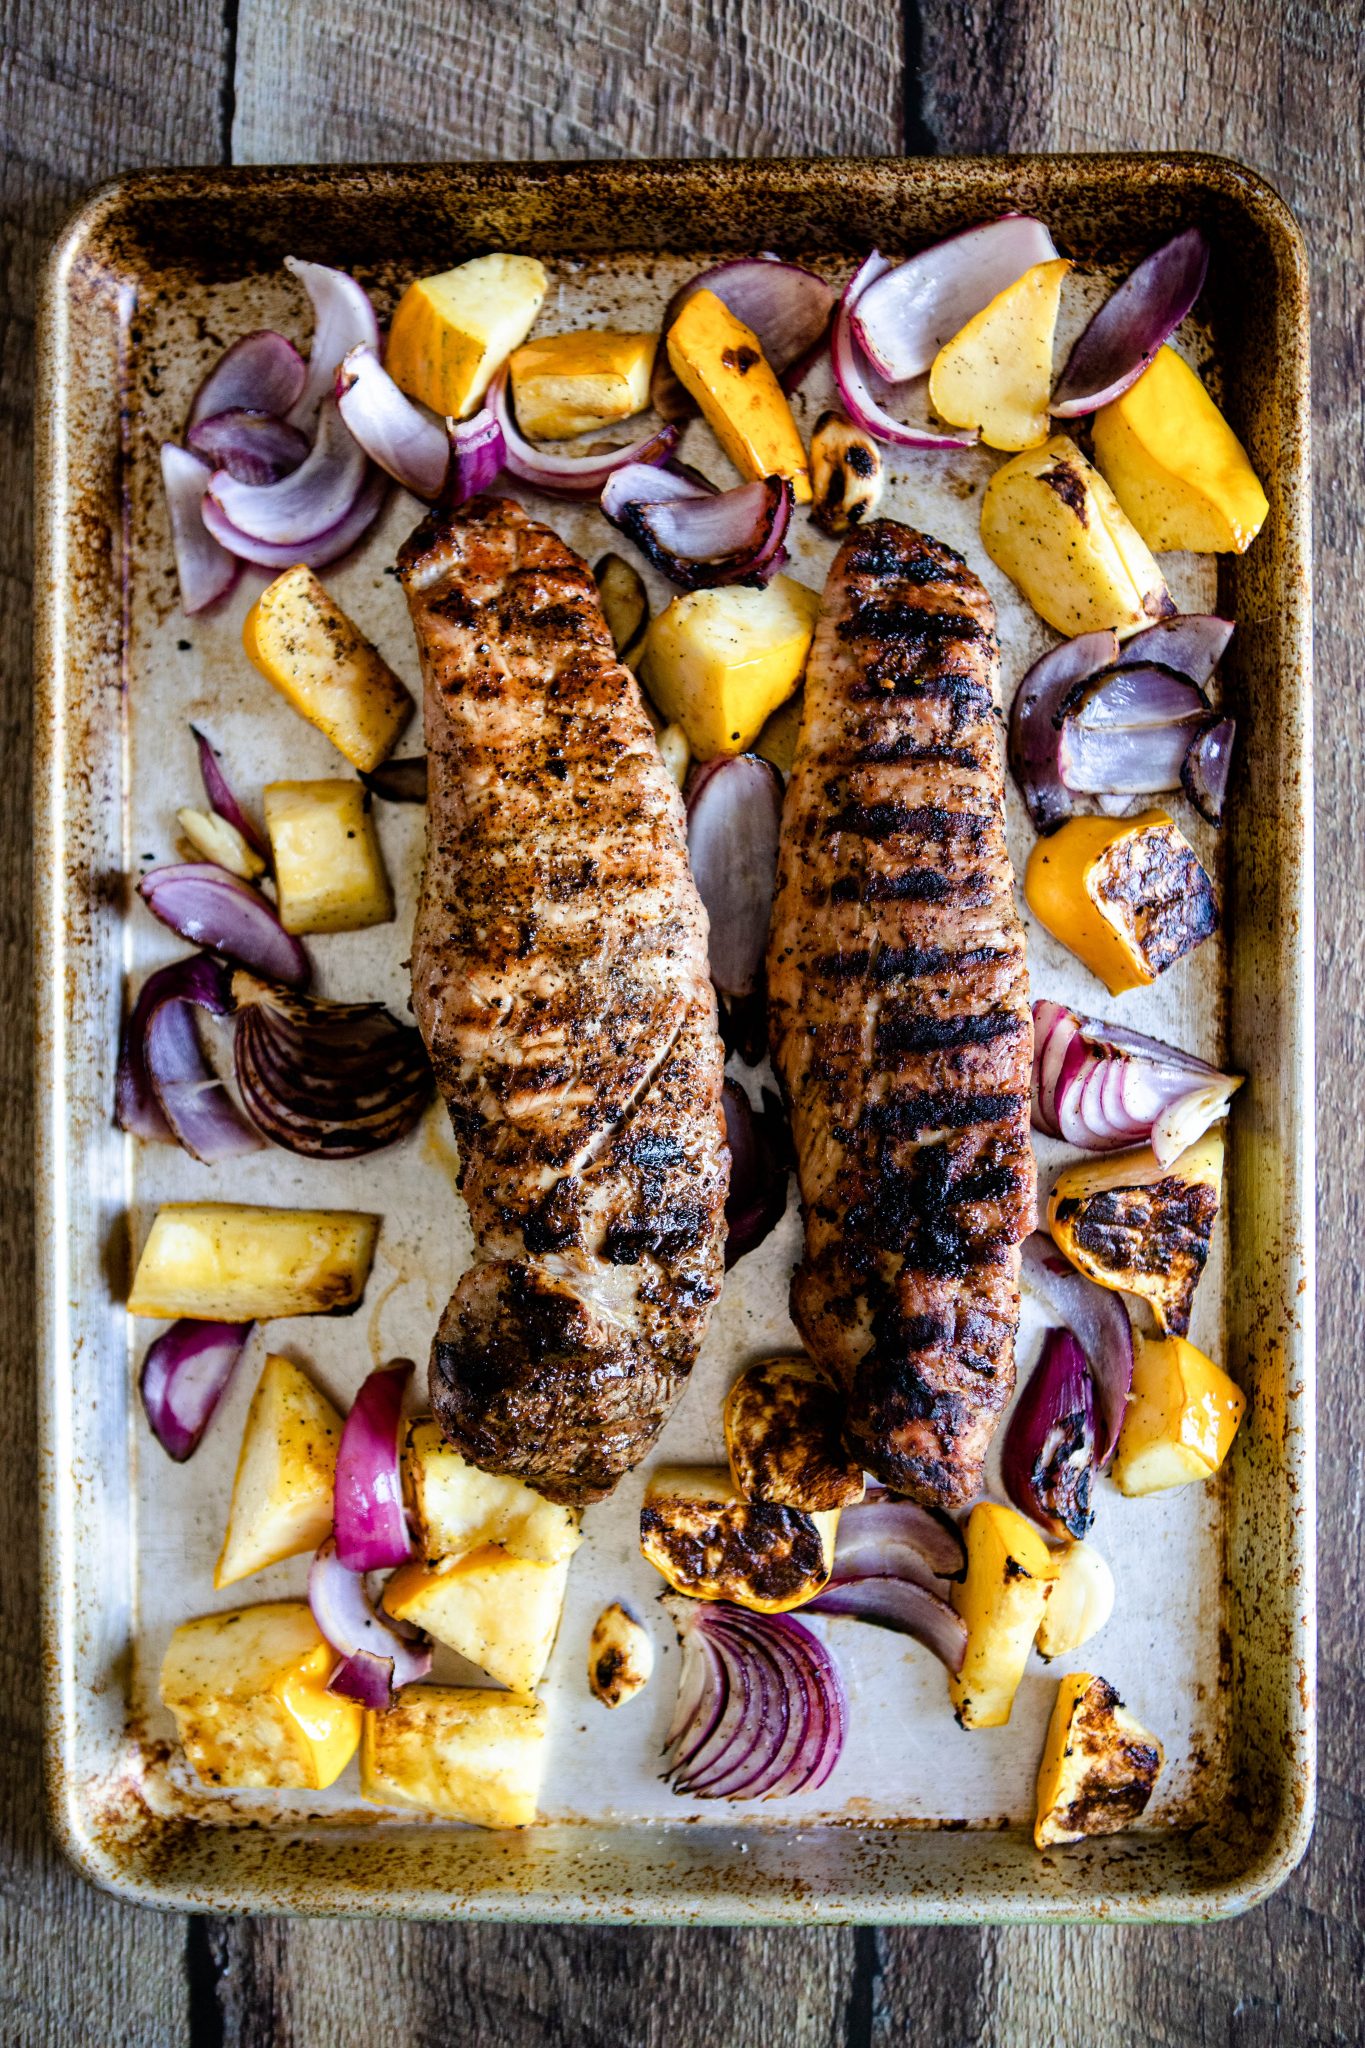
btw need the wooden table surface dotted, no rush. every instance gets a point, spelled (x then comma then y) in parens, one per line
(92, 90)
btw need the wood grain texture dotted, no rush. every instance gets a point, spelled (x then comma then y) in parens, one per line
(87, 91)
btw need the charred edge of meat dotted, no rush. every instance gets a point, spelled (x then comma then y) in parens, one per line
(886, 549)
(903, 751)
(906, 1116)
(903, 963)
(912, 1211)
(914, 1032)
(879, 821)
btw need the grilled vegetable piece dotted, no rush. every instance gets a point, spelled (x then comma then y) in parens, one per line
(1010, 1571)
(282, 1494)
(712, 1545)
(459, 1508)
(719, 662)
(249, 1694)
(720, 363)
(213, 838)
(329, 871)
(1132, 1223)
(1080, 1603)
(899, 1017)
(1181, 1418)
(567, 384)
(1128, 896)
(781, 732)
(228, 1262)
(620, 1656)
(625, 604)
(1099, 1766)
(498, 1611)
(459, 1751)
(845, 473)
(449, 333)
(302, 641)
(996, 374)
(1051, 522)
(1175, 465)
(784, 1436)
(561, 982)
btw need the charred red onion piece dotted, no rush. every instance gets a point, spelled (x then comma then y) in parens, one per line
(205, 569)
(760, 1162)
(343, 319)
(787, 307)
(219, 792)
(164, 1089)
(1127, 734)
(1048, 1460)
(369, 1520)
(477, 455)
(699, 541)
(212, 908)
(761, 1709)
(904, 317)
(326, 1080)
(1099, 1321)
(377, 1660)
(253, 447)
(1103, 1087)
(399, 782)
(323, 547)
(1192, 643)
(892, 1560)
(1036, 721)
(900, 1604)
(184, 1376)
(734, 815)
(567, 476)
(303, 508)
(858, 386)
(1205, 769)
(1132, 324)
(262, 373)
(411, 445)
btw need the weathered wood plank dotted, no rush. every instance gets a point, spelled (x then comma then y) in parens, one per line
(565, 78)
(74, 87)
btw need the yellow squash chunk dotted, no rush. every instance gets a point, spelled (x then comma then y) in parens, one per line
(719, 362)
(1128, 896)
(329, 871)
(282, 1495)
(784, 1436)
(497, 1610)
(458, 1751)
(1180, 1421)
(214, 839)
(777, 741)
(249, 1694)
(1051, 522)
(712, 1545)
(1175, 465)
(302, 641)
(566, 384)
(229, 1262)
(997, 373)
(1009, 1573)
(1132, 1223)
(625, 604)
(451, 332)
(719, 662)
(1099, 1764)
(458, 1508)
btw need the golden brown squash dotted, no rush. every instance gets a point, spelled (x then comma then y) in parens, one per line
(784, 1437)
(1099, 1767)
(1131, 1223)
(712, 1545)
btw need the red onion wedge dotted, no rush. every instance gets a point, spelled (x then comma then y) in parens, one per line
(567, 476)
(643, 483)
(412, 445)
(212, 908)
(343, 319)
(221, 798)
(1192, 643)
(477, 456)
(1204, 771)
(369, 1520)
(326, 1080)
(398, 782)
(859, 388)
(760, 1163)
(302, 508)
(205, 568)
(325, 547)
(261, 373)
(744, 1024)
(1036, 720)
(699, 541)
(1127, 733)
(734, 815)
(761, 1709)
(900, 1604)
(1097, 1318)
(906, 315)
(253, 447)
(184, 1376)
(1132, 324)
(164, 1089)
(376, 1660)
(1048, 1453)
(892, 1559)
(1103, 1087)
(788, 308)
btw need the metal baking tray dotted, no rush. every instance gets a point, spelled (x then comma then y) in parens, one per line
(1212, 1640)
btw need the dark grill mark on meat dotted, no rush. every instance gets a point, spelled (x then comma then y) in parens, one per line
(574, 1041)
(894, 922)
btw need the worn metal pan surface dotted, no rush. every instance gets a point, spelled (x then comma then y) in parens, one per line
(1212, 1639)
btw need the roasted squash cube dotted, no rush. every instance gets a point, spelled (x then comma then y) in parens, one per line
(498, 1611)
(282, 1494)
(1175, 465)
(720, 363)
(1131, 1223)
(1128, 896)
(450, 333)
(711, 1544)
(229, 1262)
(784, 1436)
(329, 870)
(455, 1750)
(1181, 1418)
(1009, 1574)
(719, 662)
(302, 641)
(567, 384)
(249, 1694)
(460, 1508)
(996, 374)
(1099, 1766)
